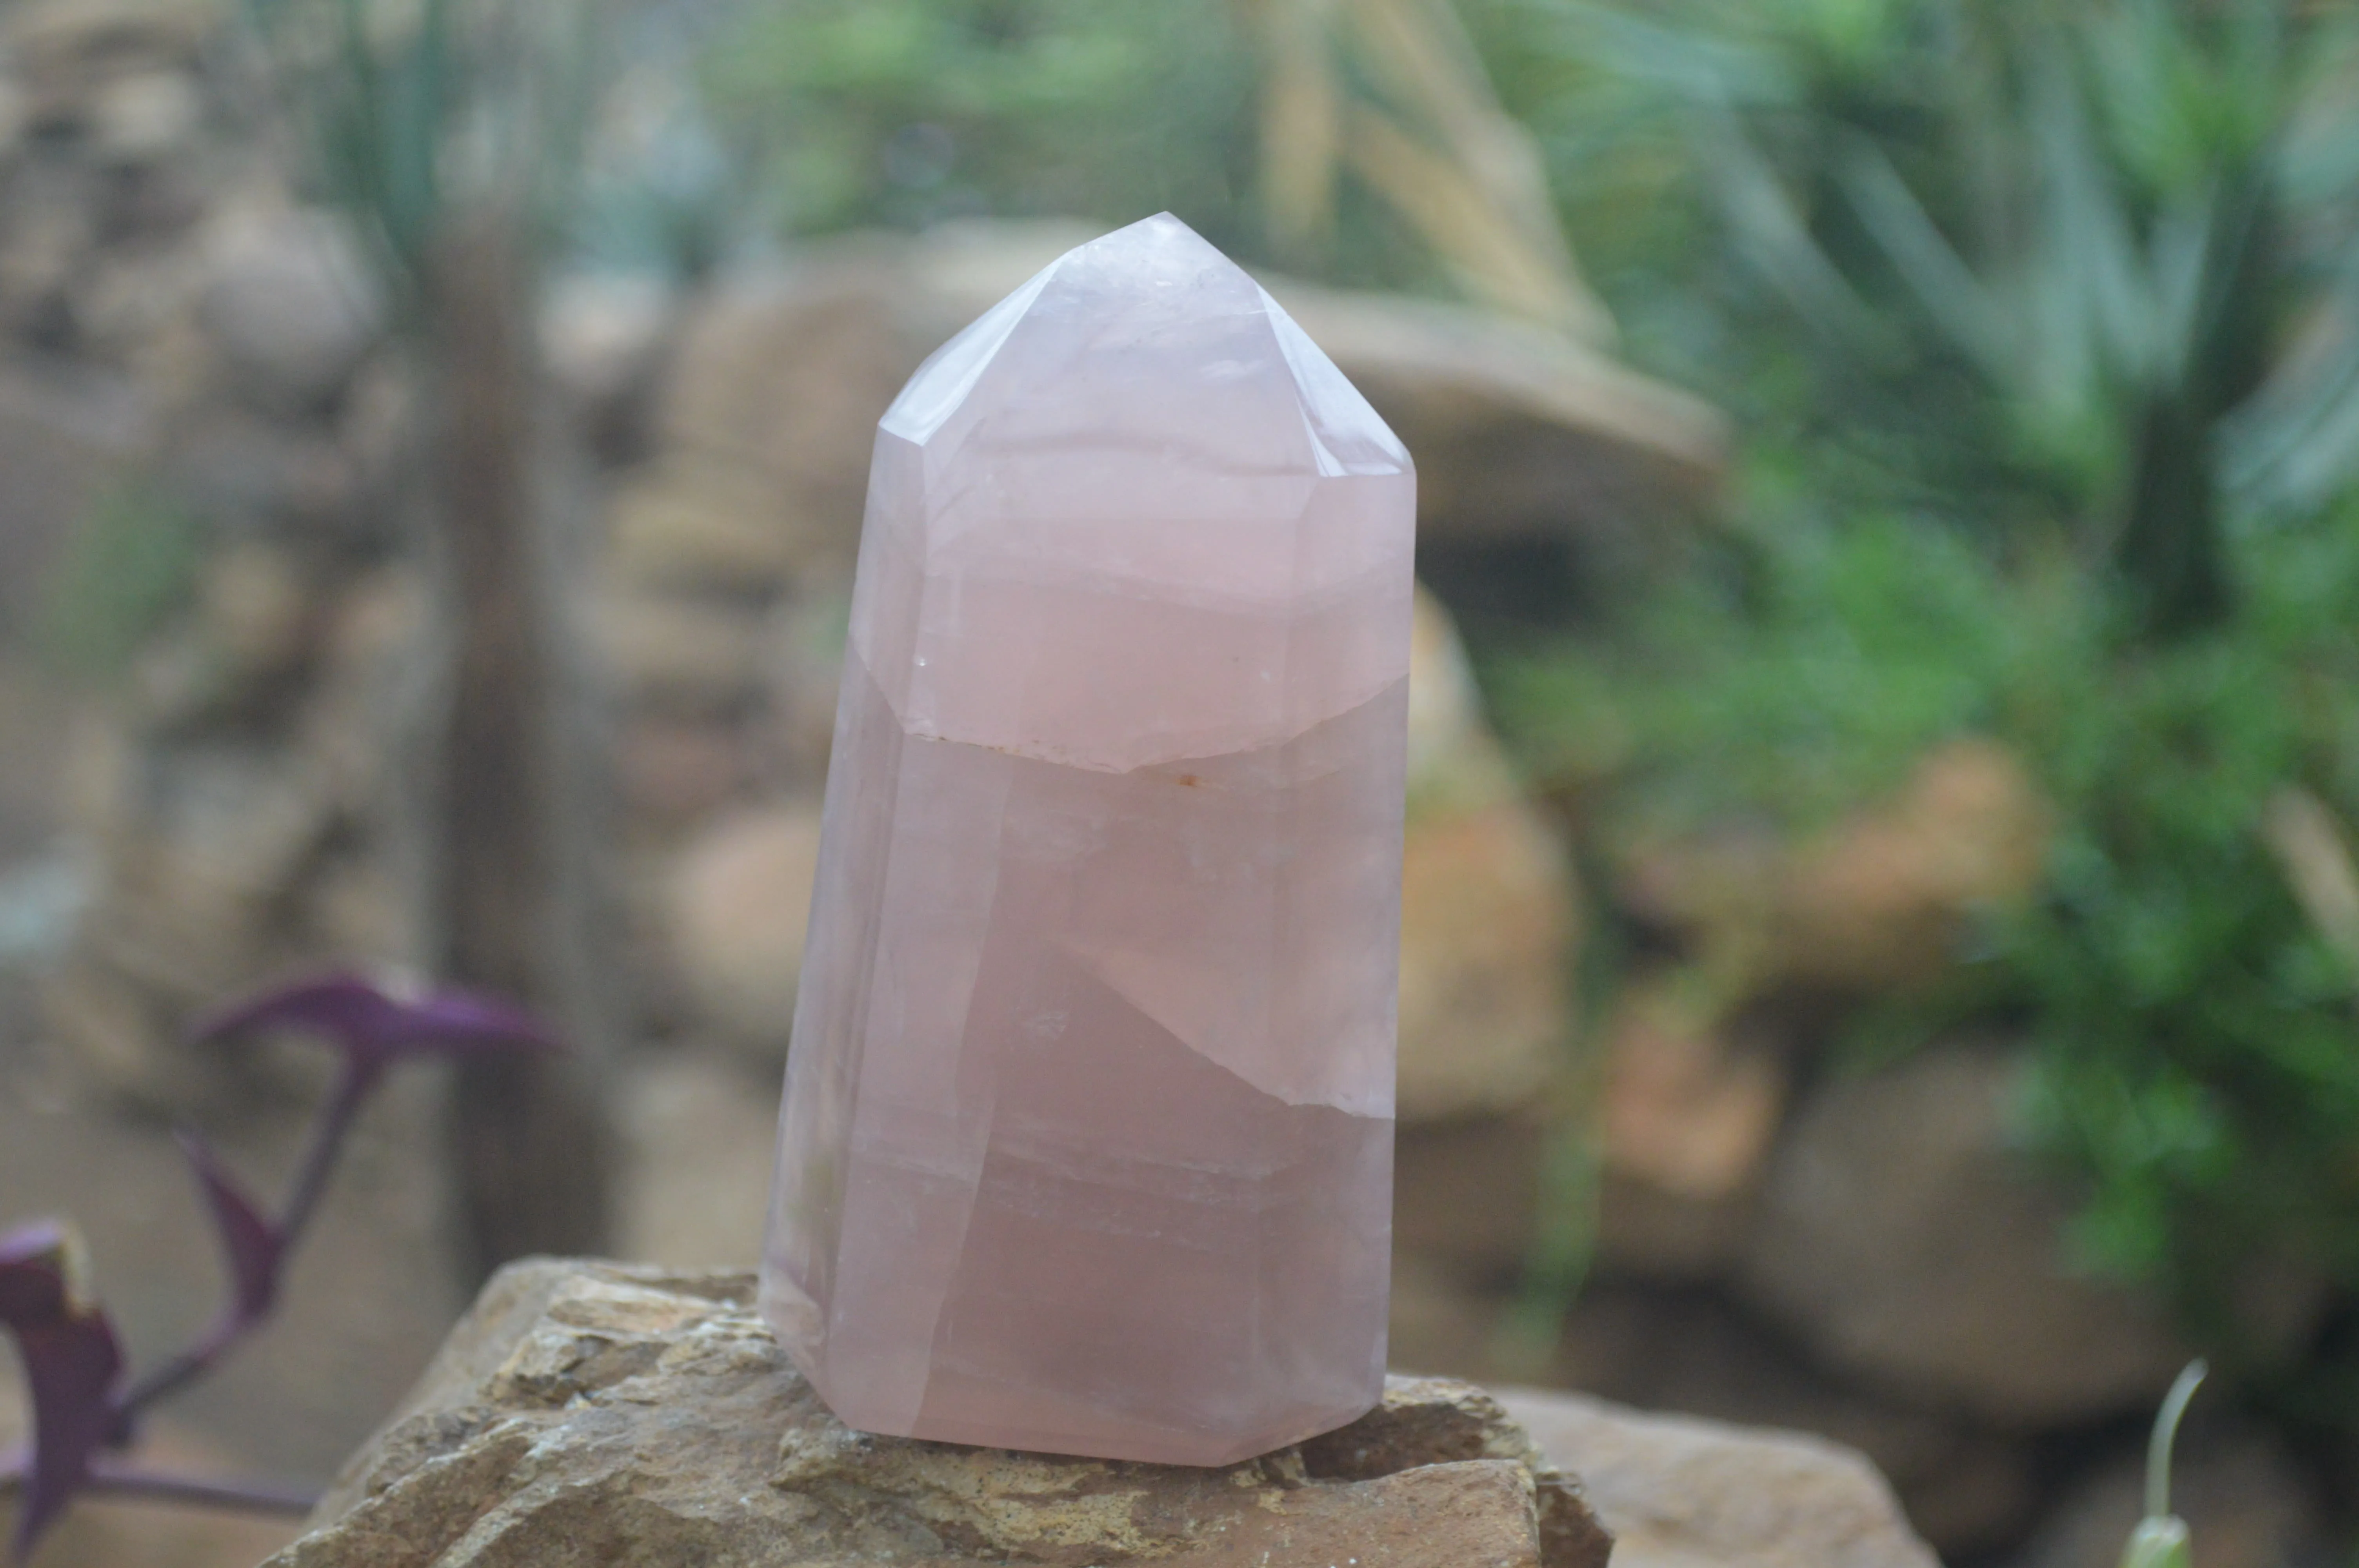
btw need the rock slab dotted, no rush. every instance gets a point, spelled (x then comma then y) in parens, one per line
(1679, 1492)
(595, 1414)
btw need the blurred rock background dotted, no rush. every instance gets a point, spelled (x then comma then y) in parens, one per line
(1722, 1091)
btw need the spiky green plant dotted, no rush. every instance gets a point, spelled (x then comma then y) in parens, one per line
(2088, 262)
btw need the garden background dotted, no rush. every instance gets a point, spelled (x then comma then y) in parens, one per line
(1882, 923)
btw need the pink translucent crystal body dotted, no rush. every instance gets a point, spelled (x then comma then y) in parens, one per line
(1087, 1143)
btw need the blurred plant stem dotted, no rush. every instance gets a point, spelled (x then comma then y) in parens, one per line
(530, 1135)
(451, 131)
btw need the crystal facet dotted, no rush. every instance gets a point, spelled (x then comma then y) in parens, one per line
(1087, 1144)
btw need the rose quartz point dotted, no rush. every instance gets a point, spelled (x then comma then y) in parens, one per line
(1087, 1143)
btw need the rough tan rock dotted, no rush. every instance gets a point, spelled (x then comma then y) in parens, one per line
(1486, 923)
(1879, 902)
(1874, 905)
(1903, 1240)
(1433, 1420)
(1679, 1492)
(1686, 1112)
(595, 1414)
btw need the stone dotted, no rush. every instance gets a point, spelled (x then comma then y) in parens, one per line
(740, 901)
(699, 525)
(259, 610)
(1677, 1492)
(1881, 902)
(679, 654)
(803, 674)
(362, 910)
(63, 442)
(289, 300)
(1965, 1488)
(146, 115)
(249, 472)
(781, 378)
(1686, 1112)
(674, 771)
(1088, 1127)
(65, 47)
(1902, 1239)
(1876, 903)
(43, 255)
(1455, 762)
(1488, 906)
(589, 1412)
(1486, 918)
(602, 338)
(1441, 1421)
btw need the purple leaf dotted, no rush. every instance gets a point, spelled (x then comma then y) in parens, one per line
(376, 1024)
(251, 1244)
(71, 1362)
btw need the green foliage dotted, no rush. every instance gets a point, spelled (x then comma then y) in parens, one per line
(416, 116)
(2043, 323)
(2199, 1053)
(904, 112)
(2027, 262)
(1805, 668)
(126, 567)
(2195, 1046)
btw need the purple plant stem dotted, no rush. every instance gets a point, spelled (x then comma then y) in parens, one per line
(354, 1084)
(115, 1479)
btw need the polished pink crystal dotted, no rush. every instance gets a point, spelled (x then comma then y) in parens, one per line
(1087, 1145)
